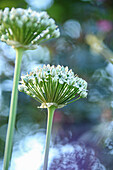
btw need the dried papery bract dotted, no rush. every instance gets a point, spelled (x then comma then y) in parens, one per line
(54, 87)
(23, 29)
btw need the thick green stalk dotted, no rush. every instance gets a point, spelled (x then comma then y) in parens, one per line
(13, 106)
(48, 135)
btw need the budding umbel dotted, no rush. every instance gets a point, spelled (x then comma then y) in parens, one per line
(26, 28)
(52, 85)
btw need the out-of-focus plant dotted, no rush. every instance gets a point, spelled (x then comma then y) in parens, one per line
(76, 156)
(97, 45)
(102, 77)
(54, 87)
(104, 25)
(31, 61)
(23, 30)
(101, 134)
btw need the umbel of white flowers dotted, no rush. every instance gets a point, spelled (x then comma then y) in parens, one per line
(50, 85)
(26, 28)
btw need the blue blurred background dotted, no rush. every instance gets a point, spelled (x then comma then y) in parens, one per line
(82, 136)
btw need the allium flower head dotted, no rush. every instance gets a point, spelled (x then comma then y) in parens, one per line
(26, 28)
(50, 85)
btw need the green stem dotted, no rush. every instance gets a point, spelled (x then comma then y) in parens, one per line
(13, 106)
(48, 135)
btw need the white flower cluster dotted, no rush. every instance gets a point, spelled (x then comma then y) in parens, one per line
(61, 74)
(24, 27)
(51, 84)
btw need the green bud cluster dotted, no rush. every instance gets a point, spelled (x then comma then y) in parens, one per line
(26, 28)
(52, 85)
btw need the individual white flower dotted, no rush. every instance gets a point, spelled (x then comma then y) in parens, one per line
(52, 85)
(83, 94)
(56, 33)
